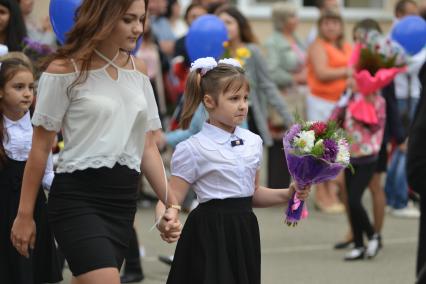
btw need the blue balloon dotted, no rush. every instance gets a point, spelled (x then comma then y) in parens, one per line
(410, 33)
(62, 13)
(206, 37)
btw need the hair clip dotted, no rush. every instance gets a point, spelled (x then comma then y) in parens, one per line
(205, 64)
(230, 61)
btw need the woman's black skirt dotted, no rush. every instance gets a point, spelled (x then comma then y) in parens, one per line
(91, 214)
(219, 244)
(43, 265)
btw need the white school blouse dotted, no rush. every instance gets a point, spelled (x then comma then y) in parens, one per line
(103, 120)
(17, 144)
(215, 169)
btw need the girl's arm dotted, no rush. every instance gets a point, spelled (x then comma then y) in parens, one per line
(23, 231)
(169, 228)
(267, 197)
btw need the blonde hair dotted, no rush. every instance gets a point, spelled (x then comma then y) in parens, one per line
(333, 14)
(221, 79)
(281, 11)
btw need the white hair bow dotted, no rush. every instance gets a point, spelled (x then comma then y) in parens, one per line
(230, 61)
(205, 64)
(3, 50)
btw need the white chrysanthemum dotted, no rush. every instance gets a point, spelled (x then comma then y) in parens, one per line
(305, 141)
(205, 64)
(230, 61)
(343, 156)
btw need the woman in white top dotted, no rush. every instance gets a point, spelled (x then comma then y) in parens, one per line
(220, 241)
(99, 96)
(16, 96)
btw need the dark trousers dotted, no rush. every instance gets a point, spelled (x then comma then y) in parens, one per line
(421, 250)
(356, 183)
(133, 262)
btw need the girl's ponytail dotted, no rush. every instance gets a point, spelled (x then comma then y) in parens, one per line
(193, 98)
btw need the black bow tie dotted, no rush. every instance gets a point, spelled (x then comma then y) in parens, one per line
(237, 142)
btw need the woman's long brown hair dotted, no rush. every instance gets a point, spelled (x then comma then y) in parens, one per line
(246, 33)
(94, 22)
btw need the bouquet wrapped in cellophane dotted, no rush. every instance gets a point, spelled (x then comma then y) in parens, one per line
(315, 152)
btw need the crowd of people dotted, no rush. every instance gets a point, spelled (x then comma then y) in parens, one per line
(104, 114)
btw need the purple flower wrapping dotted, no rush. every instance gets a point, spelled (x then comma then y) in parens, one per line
(306, 170)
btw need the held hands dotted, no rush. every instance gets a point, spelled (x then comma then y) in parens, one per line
(301, 193)
(23, 234)
(170, 227)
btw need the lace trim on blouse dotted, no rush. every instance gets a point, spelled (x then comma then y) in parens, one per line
(98, 162)
(46, 121)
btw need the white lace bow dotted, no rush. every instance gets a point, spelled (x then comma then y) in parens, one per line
(205, 64)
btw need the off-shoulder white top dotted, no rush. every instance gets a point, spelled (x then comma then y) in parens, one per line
(103, 120)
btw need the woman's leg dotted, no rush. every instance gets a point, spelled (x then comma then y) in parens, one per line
(109, 275)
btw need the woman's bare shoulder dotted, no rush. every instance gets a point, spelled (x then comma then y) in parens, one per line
(60, 66)
(140, 65)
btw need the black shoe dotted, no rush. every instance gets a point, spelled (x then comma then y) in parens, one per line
(355, 254)
(131, 278)
(166, 259)
(343, 245)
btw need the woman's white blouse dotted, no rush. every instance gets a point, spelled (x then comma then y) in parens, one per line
(17, 144)
(103, 121)
(215, 169)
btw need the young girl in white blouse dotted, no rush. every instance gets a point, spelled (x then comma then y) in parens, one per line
(40, 265)
(220, 240)
(99, 96)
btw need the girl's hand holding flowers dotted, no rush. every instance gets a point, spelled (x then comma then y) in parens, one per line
(301, 193)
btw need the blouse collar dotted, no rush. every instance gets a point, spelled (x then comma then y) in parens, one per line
(24, 122)
(219, 135)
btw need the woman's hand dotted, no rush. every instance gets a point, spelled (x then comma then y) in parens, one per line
(23, 234)
(301, 193)
(170, 227)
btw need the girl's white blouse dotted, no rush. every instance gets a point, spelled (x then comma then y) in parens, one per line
(103, 120)
(215, 169)
(17, 144)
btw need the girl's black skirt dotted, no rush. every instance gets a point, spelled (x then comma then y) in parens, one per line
(219, 244)
(91, 213)
(43, 265)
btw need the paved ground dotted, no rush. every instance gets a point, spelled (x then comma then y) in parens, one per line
(304, 254)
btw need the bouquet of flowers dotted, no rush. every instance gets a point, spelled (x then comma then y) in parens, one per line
(315, 152)
(376, 60)
(241, 54)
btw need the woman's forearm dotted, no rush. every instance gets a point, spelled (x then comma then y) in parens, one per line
(33, 174)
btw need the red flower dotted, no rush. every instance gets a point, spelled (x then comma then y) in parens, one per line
(319, 128)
